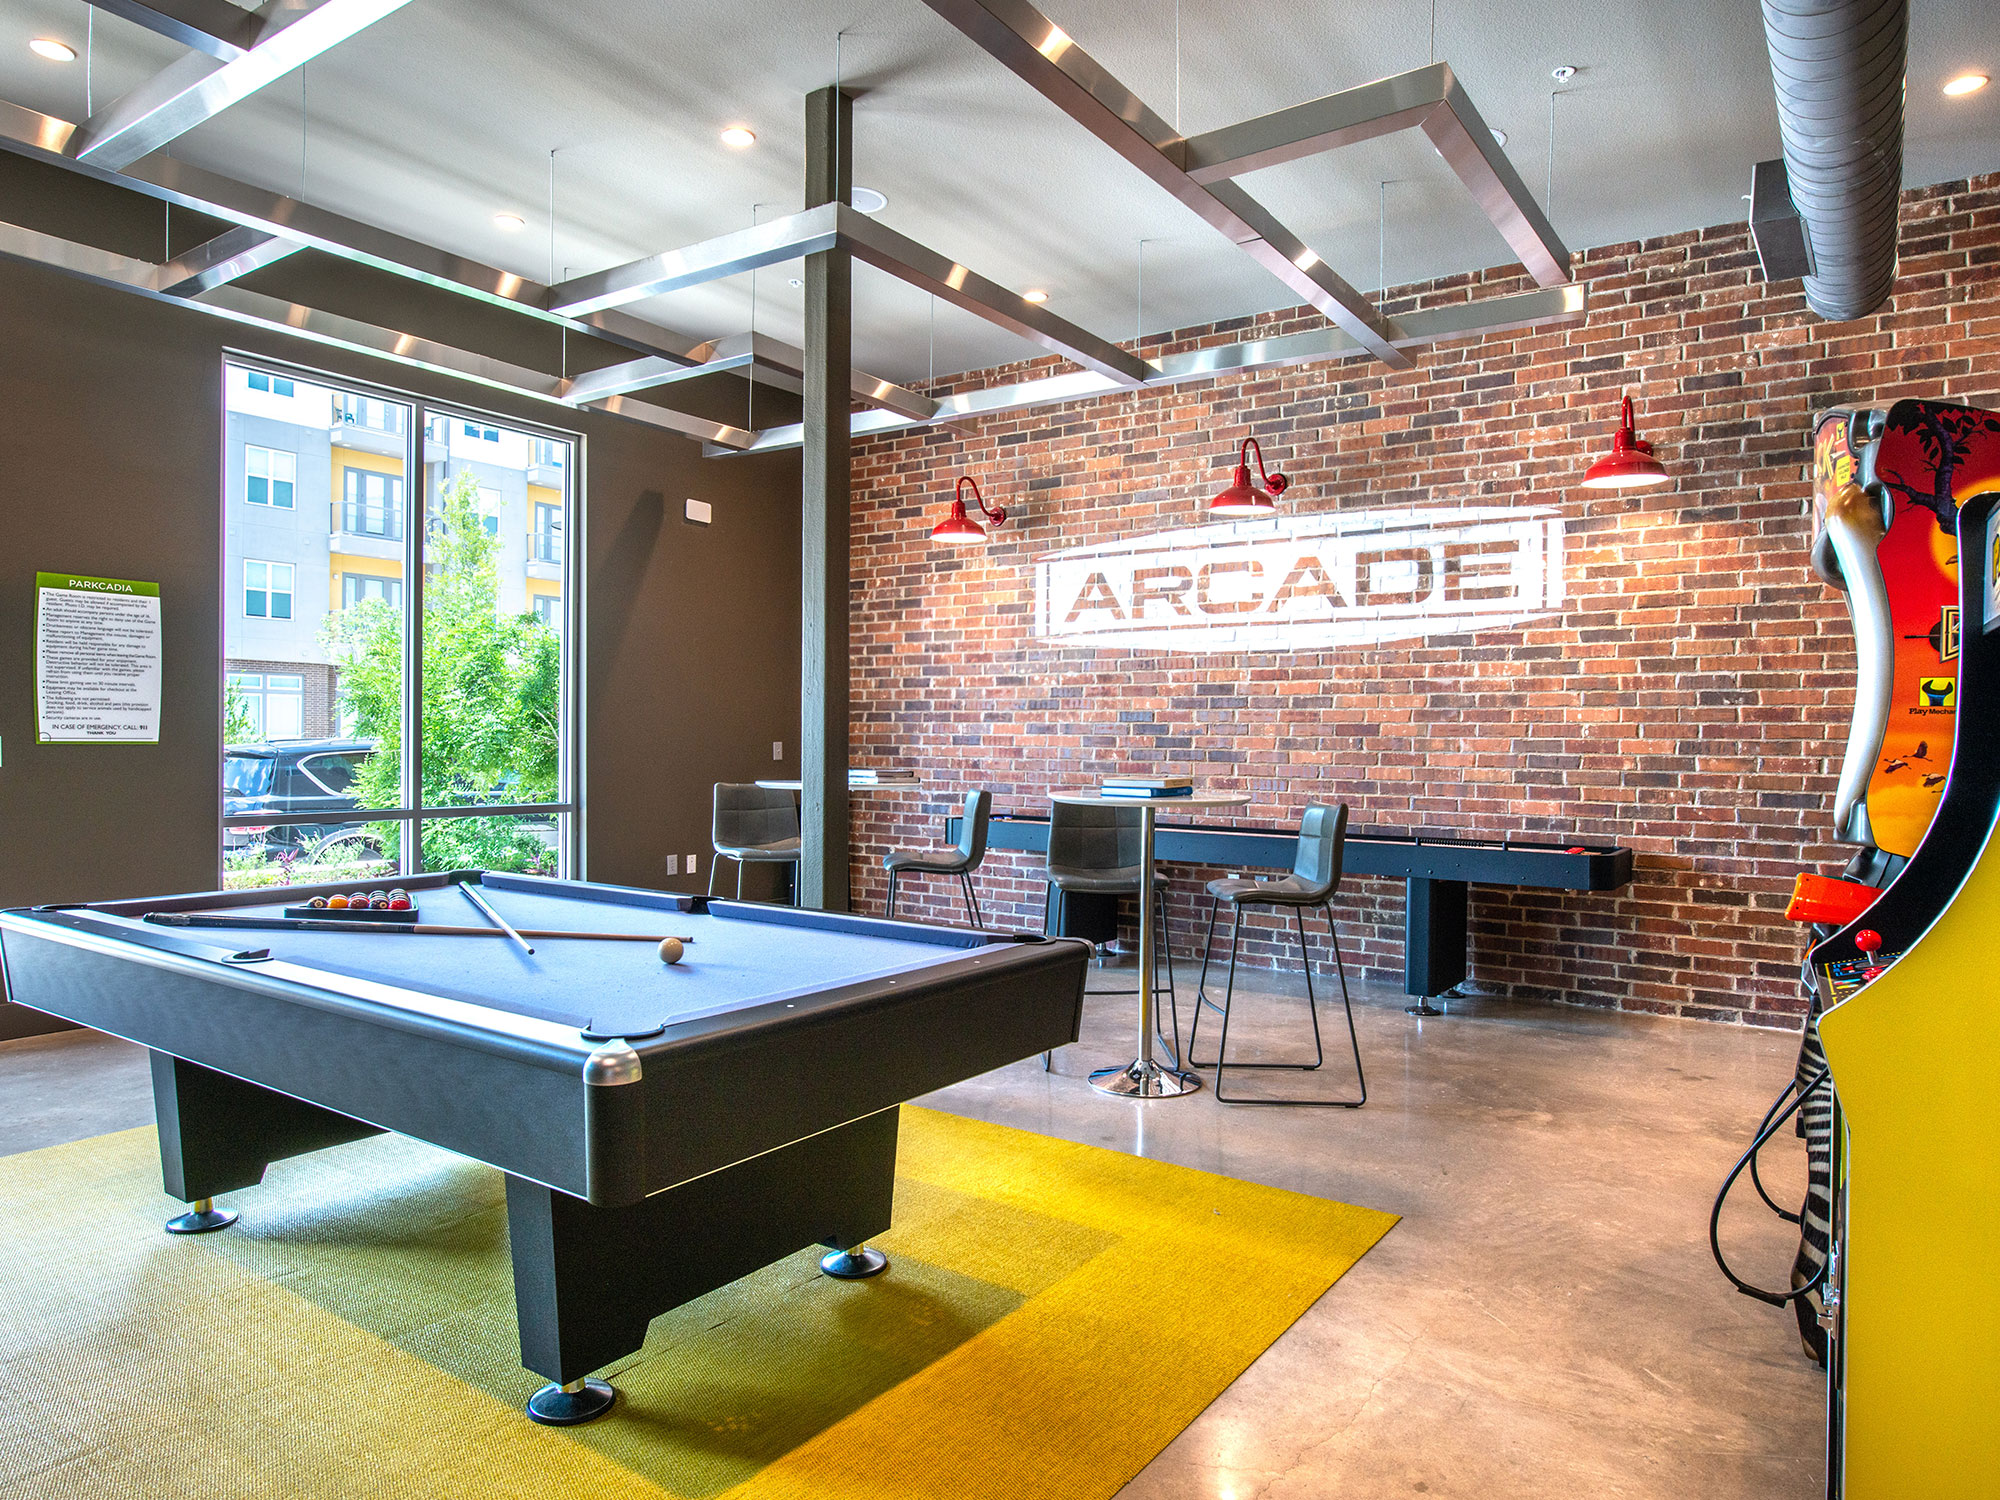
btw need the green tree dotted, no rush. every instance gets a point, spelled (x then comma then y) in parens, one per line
(492, 694)
(237, 728)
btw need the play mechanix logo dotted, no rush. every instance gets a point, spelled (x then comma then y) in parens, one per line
(1305, 582)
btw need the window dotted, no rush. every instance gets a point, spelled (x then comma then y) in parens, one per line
(366, 411)
(545, 542)
(275, 705)
(371, 504)
(275, 385)
(270, 476)
(491, 781)
(361, 588)
(267, 591)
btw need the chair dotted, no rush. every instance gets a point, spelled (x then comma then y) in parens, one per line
(1314, 879)
(961, 861)
(1095, 850)
(754, 825)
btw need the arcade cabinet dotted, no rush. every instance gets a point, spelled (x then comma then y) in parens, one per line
(1909, 1020)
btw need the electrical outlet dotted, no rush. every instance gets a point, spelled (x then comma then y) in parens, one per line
(673, 864)
(690, 864)
(777, 749)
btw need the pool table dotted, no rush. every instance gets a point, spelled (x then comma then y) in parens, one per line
(664, 1128)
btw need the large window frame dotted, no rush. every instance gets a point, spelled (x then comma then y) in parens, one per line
(568, 809)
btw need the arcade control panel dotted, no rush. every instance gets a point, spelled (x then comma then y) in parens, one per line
(1844, 976)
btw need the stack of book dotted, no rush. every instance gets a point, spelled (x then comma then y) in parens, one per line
(880, 778)
(1144, 788)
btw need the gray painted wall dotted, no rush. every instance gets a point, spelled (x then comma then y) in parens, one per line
(113, 467)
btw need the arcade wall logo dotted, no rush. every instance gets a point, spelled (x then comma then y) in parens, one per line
(1303, 582)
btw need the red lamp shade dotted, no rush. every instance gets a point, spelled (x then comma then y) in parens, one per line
(959, 529)
(1630, 463)
(1242, 498)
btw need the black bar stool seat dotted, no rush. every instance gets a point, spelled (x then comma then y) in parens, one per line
(1094, 851)
(961, 860)
(1314, 879)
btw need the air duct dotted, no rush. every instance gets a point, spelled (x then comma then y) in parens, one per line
(1838, 69)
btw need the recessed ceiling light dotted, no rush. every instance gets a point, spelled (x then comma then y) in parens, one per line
(512, 223)
(1499, 137)
(795, 281)
(736, 137)
(869, 201)
(1563, 74)
(1966, 83)
(53, 50)
(1037, 295)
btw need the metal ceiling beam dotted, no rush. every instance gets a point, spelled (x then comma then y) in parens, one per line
(224, 31)
(194, 89)
(1048, 58)
(1552, 307)
(230, 256)
(1429, 99)
(771, 244)
(787, 362)
(834, 226)
(293, 320)
(45, 138)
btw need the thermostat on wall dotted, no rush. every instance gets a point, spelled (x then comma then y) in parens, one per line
(700, 512)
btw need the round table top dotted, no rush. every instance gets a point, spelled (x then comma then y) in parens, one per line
(1197, 798)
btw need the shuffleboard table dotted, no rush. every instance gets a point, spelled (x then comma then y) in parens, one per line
(665, 1128)
(1437, 871)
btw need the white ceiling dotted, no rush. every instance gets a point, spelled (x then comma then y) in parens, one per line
(444, 113)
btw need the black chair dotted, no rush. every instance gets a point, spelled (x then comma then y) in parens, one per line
(1094, 850)
(961, 861)
(754, 825)
(1314, 879)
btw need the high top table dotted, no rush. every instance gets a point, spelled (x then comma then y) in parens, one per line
(1144, 1077)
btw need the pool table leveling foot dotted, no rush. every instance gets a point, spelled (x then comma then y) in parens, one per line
(202, 1216)
(856, 1264)
(567, 1405)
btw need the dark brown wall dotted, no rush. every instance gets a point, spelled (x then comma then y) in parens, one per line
(111, 463)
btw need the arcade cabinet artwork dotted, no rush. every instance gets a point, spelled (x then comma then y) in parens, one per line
(1893, 1282)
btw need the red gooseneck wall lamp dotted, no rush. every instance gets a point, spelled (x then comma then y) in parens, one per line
(960, 529)
(1629, 464)
(1243, 498)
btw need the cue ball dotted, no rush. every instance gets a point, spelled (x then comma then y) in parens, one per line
(671, 950)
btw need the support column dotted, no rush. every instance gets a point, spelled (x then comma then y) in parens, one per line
(823, 856)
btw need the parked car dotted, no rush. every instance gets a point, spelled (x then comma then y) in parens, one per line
(297, 776)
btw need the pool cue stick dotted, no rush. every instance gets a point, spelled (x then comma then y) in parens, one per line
(465, 889)
(420, 929)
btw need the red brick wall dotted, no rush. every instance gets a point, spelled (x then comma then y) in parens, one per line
(1690, 701)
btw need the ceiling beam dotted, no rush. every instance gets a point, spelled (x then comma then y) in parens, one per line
(775, 357)
(837, 226)
(230, 256)
(223, 31)
(1041, 53)
(1551, 307)
(731, 254)
(1430, 99)
(196, 88)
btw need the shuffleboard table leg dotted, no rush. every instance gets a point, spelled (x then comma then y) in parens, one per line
(855, 1263)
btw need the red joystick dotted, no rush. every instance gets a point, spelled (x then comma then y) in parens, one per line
(1868, 941)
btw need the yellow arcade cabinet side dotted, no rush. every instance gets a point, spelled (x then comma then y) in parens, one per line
(1911, 1033)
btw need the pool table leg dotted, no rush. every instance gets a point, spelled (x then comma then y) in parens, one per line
(589, 1279)
(218, 1134)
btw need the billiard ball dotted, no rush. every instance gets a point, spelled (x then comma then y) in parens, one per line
(336, 903)
(399, 903)
(319, 901)
(671, 950)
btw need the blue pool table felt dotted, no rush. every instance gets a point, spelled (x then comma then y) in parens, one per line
(604, 988)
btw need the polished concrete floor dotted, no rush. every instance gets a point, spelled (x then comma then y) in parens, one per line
(1544, 1322)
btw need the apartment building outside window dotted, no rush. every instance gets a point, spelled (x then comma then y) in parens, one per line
(273, 702)
(372, 504)
(270, 476)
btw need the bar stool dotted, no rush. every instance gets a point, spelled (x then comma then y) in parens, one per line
(1314, 879)
(1095, 851)
(961, 861)
(754, 825)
